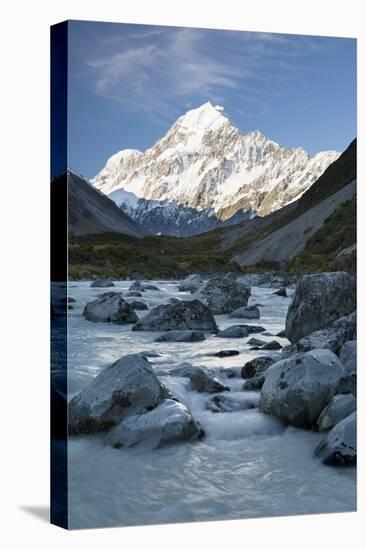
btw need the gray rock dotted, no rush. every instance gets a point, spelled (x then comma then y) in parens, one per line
(224, 295)
(149, 286)
(231, 403)
(249, 312)
(128, 387)
(226, 353)
(318, 301)
(133, 294)
(332, 338)
(281, 292)
(256, 367)
(235, 331)
(191, 283)
(181, 336)
(102, 283)
(136, 285)
(178, 315)
(339, 446)
(340, 406)
(139, 306)
(202, 378)
(348, 384)
(256, 342)
(169, 422)
(272, 345)
(348, 356)
(281, 334)
(297, 389)
(110, 307)
(253, 329)
(254, 384)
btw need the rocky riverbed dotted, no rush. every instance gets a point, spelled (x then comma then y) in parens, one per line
(204, 446)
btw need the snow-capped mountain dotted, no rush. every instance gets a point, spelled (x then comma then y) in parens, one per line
(204, 163)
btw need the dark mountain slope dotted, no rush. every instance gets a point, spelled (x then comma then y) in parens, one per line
(90, 211)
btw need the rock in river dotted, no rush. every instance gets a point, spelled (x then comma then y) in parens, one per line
(178, 315)
(127, 387)
(202, 378)
(191, 283)
(138, 305)
(169, 422)
(318, 301)
(235, 331)
(102, 283)
(339, 447)
(249, 312)
(181, 336)
(224, 295)
(110, 307)
(256, 367)
(297, 389)
(341, 406)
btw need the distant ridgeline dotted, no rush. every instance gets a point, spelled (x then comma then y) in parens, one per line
(315, 233)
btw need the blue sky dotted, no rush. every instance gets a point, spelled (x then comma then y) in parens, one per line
(129, 83)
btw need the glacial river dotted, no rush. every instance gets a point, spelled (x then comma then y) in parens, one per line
(248, 465)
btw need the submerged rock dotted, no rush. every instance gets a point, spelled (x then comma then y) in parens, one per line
(127, 387)
(256, 367)
(272, 345)
(256, 342)
(202, 378)
(231, 403)
(297, 389)
(169, 422)
(133, 294)
(102, 283)
(139, 306)
(110, 307)
(339, 447)
(249, 312)
(224, 295)
(149, 286)
(136, 285)
(318, 301)
(281, 292)
(191, 283)
(235, 331)
(226, 353)
(338, 408)
(181, 336)
(178, 315)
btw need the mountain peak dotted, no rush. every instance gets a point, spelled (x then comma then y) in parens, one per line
(203, 118)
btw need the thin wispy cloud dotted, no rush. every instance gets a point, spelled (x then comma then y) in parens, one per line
(154, 69)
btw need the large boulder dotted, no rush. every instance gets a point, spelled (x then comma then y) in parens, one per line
(127, 387)
(224, 295)
(339, 447)
(169, 422)
(178, 315)
(318, 301)
(348, 356)
(332, 338)
(341, 406)
(297, 389)
(110, 307)
(202, 379)
(256, 367)
(181, 336)
(191, 283)
(249, 312)
(102, 283)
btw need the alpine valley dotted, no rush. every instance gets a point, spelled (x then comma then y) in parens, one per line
(204, 174)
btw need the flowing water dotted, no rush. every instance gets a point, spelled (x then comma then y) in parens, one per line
(248, 465)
